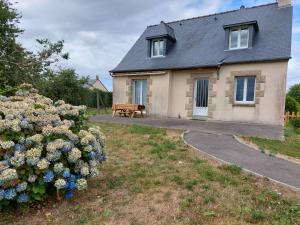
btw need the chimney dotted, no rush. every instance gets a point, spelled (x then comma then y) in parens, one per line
(284, 3)
(97, 77)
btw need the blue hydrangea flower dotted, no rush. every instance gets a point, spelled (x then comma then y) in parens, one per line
(23, 198)
(66, 173)
(48, 176)
(2, 193)
(67, 146)
(10, 194)
(72, 177)
(71, 185)
(19, 147)
(24, 124)
(7, 157)
(102, 157)
(92, 155)
(69, 195)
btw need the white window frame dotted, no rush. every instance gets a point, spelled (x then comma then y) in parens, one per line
(141, 91)
(244, 101)
(161, 41)
(239, 38)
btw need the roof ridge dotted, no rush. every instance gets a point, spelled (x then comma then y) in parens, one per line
(214, 14)
(166, 24)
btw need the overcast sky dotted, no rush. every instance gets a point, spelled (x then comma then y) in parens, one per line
(98, 33)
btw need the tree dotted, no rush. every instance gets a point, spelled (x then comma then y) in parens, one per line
(291, 104)
(17, 65)
(65, 84)
(294, 92)
(11, 53)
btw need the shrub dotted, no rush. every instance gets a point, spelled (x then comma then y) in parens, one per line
(44, 146)
(294, 92)
(296, 123)
(291, 104)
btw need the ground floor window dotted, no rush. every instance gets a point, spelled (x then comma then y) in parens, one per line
(139, 92)
(245, 89)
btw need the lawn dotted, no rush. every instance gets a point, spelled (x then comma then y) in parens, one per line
(94, 111)
(152, 177)
(289, 147)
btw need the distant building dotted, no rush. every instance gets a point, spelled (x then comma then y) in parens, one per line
(96, 84)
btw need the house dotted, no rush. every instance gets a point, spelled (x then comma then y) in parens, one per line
(229, 66)
(96, 84)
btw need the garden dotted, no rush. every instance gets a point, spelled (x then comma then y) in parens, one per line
(45, 147)
(151, 177)
(290, 147)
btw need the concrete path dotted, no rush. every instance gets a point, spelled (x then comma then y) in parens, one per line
(216, 140)
(243, 129)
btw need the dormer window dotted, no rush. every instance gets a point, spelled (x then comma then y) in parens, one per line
(157, 47)
(239, 38)
(240, 35)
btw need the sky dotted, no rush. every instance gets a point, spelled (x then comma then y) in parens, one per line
(98, 33)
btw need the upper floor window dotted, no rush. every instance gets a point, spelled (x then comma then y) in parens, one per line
(239, 38)
(157, 48)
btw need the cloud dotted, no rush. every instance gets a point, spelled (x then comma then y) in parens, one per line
(98, 33)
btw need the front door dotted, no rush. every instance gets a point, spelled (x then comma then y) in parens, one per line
(200, 97)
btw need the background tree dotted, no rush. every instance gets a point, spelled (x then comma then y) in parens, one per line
(11, 53)
(64, 84)
(291, 104)
(294, 92)
(43, 68)
(18, 65)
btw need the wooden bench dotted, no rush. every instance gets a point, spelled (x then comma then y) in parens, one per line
(128, 110)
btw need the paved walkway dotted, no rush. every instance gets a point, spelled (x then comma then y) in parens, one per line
(216, 139)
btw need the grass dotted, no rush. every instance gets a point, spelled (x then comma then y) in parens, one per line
(289, 147)
(94, 111)
(152, 177)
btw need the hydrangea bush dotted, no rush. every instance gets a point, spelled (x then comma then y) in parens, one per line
(45, 146)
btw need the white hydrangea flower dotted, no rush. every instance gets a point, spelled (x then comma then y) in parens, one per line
(55, 145)
(88, 148)
(37, 138)
(58, 168)
(33, 152)
(8, 175)
(7, 144)
(18, 159)
(81, 184)
(43, 164)
(60, 183)
(94, 172)
(74, 155)
(85, 171)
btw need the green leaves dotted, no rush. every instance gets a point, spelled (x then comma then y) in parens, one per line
(37, 191)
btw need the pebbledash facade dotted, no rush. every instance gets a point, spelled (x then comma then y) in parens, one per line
(229, 66)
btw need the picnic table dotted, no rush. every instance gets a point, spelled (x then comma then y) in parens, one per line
(128, 110)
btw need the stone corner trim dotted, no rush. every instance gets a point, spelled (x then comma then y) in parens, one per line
(259, 84)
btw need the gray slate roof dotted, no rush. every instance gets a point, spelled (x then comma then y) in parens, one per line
(161, 30)
(200, 41)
